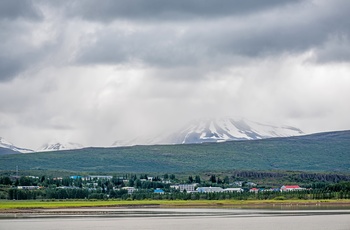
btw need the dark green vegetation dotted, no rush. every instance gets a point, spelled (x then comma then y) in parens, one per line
(328, 152)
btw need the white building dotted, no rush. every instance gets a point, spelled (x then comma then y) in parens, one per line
(209, 189)
(233, 190)
(183, 187)
(130, 190)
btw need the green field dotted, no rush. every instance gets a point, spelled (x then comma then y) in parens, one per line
(325, 152)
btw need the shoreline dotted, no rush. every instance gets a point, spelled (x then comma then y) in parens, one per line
(22, 207)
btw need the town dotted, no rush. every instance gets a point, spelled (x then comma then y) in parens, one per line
(143, 186)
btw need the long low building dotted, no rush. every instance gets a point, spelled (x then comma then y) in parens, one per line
(288, 188)
(218, 189)
(183, 187)
(209, 189)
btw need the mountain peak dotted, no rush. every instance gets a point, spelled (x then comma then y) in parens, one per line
(56, 146)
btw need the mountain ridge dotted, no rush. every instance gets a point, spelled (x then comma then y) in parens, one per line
(4, 144)
(216, 130)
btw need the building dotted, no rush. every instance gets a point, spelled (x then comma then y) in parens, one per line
(288, 188)
(98, 177)
(256, 190)
(209, 189)
(28, 187)
(183, 187)
(130, 190)
(159, 191)
(75, 177)
(233, 190)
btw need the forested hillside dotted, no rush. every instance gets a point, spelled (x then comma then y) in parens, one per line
(318, 152)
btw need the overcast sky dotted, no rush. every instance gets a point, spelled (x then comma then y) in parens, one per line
(94, 72)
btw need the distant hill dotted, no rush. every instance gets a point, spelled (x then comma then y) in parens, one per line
(323, 152)
(4, 151)
(4, 144)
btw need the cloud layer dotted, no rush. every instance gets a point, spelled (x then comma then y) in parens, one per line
(96, 72)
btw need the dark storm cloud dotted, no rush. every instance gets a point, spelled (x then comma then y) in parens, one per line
(167, 10)
(14, 9)
(21, 47)
(221, 40)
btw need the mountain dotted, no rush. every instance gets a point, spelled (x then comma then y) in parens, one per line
(8, 147)
(217, 130)
(321, 152)
(57, 146)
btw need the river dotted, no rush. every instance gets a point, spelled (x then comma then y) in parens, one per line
(178, 219)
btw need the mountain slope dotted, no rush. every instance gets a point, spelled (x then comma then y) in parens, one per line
(8, 145)
(317, 152)
(58, 146)
(216, 130)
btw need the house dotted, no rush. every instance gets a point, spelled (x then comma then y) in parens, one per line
(288, 188)
(130, 190)
(233, 190)
(250, 184)
(159, 191)
(238, 183)
(209, 189)
(256, 190)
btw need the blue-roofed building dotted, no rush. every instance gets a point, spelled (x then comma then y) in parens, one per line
(75, 177)
(159, 191)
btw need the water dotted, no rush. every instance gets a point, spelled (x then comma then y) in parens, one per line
(178, 219)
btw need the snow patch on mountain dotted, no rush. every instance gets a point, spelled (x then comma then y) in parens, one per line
(58, 146)
(8, 145)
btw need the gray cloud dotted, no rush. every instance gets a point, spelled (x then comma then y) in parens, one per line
(93, 72)
(259, 35)
(14, 9)
(167, 10)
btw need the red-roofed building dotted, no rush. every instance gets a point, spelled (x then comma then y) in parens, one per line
(256, 190)
(287, 188)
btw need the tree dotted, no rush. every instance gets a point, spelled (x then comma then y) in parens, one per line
(219, 181)
(131, 183)
(226, 180)
(212, 179)
(197, 179)
(190, 179)
(5, 180)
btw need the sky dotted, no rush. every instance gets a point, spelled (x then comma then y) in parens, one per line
(94, 72)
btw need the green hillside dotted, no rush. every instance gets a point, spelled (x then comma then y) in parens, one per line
(318, 152)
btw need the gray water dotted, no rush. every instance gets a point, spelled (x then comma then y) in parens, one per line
(178, 219)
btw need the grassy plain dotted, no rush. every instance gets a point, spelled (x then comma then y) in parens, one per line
(48, 204)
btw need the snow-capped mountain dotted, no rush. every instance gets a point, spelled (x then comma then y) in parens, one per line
(8, 145)
(228, 129)
(217, 130)
(56, 146)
